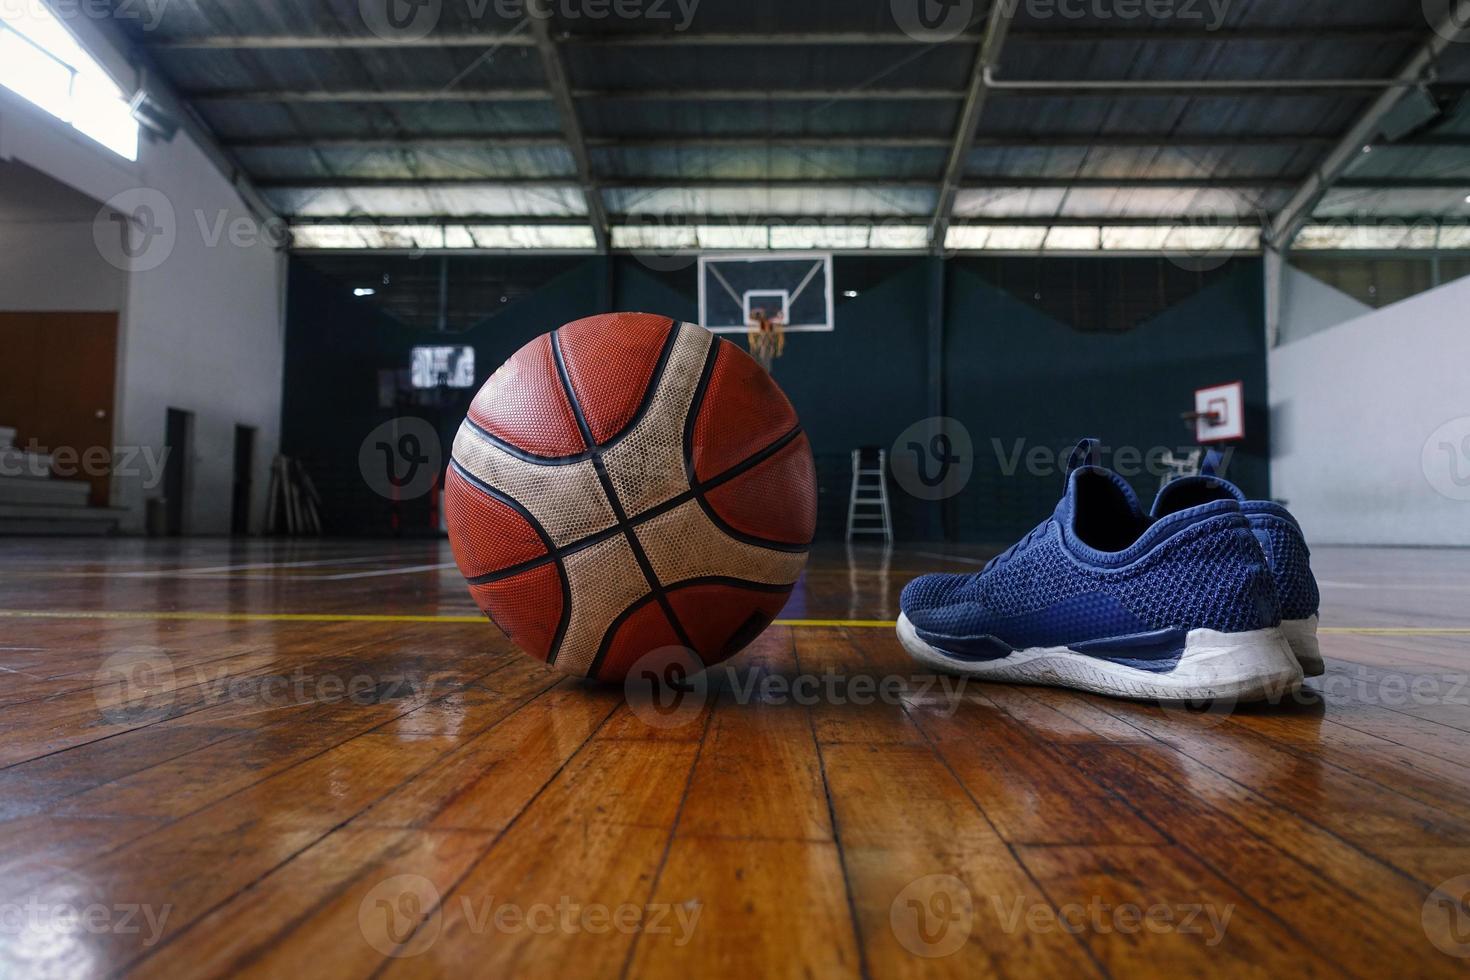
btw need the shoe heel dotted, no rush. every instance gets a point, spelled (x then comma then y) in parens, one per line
(1302, 635)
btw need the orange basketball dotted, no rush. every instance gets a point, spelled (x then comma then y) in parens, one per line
(629, 483)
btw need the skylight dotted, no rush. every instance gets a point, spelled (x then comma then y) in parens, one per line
(43, 63)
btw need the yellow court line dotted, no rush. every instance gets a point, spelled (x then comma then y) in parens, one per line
(229, 617)
(1398, 630)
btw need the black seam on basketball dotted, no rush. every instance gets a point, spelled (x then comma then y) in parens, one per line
(698, 489)
(696, 402)
(508, 500)
(634, 545)
(551, 556)
(530, 457)
(521, 454)
(626, 614)
(743, 467)
(673, 503)
(612, 631)
(739, 583)
(654, 380)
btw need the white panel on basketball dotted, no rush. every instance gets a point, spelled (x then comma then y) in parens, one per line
(566, 499)
(646, 465)
(605, 580)
(685, 544)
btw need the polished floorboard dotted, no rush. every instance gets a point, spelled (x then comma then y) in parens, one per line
(285, 759)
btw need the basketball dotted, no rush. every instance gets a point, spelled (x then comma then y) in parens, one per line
(629, 483)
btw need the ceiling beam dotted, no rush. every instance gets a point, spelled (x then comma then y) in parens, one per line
(987, 55)
(759, 220)
(1283, 35)
(835, 141)
(299, 96)
(985, 182)
(571, 129)
(1334, 164)
(1083, 89)
(530, 94)
(1458, 184)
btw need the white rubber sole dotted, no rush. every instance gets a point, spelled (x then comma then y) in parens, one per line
(1253, 666)
(1302, 635)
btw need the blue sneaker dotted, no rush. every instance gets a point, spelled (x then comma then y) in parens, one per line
(1282, 541)
(1099, 597)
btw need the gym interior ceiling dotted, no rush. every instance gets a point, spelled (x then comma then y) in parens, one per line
(764, 123)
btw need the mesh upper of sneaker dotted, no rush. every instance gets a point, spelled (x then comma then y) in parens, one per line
(1209, 574)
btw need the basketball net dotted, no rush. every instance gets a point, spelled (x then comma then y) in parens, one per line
(767, 339)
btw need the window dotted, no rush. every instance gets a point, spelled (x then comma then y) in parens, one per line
(43, 63)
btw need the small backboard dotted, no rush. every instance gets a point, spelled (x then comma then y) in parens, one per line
(793, 288)
(1219, 413)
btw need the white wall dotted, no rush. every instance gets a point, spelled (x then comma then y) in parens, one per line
(53, 266)
(1371, 424)
(203, 331)
(1308, 305)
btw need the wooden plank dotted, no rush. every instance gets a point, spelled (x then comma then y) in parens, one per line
(483, 783)
(332, 905)
(1312, 784)
(764, 757)
(868, 702)
(1284, 864)
(918, 852)
(547, 898)
(743, 890)
(1158, 911)
(1023, 787)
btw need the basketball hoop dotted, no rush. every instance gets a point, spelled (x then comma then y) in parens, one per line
(1191, 418)
(767, 339)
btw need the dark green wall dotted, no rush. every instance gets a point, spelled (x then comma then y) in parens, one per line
(1020, 379)
(1014, 369)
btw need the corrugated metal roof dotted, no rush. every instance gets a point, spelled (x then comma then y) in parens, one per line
(308, 94)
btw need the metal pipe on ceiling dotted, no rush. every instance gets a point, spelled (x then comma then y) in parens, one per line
(1184, 87)
(268, 42)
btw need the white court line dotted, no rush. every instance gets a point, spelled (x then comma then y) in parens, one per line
(215, 569)
(381, 572)
(1392, 586)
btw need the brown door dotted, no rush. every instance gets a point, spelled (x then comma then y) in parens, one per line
(57, 372)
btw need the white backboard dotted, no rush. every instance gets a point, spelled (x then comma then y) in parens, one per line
(795, 284)
(1221, 411)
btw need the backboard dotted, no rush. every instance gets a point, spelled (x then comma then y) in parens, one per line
(1219, 413)
(795, 285)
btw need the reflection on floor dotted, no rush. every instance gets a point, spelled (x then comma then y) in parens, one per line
(264, 757)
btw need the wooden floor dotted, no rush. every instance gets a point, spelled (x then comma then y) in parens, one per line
(269, 759)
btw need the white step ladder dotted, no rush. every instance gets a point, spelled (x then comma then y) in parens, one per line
(867, 505)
